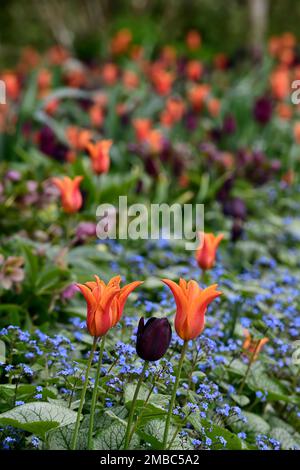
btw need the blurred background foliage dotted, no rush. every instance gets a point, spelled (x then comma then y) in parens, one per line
(85, 25)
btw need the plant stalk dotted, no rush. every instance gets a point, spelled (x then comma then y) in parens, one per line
(132, 409)
(83, 393)
(173, 397)
(95, 393)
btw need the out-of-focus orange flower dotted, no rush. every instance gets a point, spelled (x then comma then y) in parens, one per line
(12, 85)
(288, 40)
(274, 45)
(162, 80)
(58, 55)
(214, 106)
(99, 153)
(206, 253)
(280, 83)
(75, 77)
(289, 177)
(71, 156)
(197, 95)
(221, 61)
(184, 181)
(120, 42)
(253, 347)
(227, 160)
(168, 55)
(193, 40)
(110, 74)
(296, 131)
(105, 303)
(96, 115)
(173, 112)
(51, 107)
(192, 303)
(130, 79)
(44, 79)
(154, 140)
(194, 70)
(71, 197)
(136, 52)
(284, 111)
(142, 127)
(287, 56)
(78, 138)
(30, 56)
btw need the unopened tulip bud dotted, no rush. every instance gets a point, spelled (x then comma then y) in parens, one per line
(153, 338)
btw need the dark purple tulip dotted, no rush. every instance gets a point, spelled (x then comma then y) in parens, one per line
(235, 207)
(191, 121)
(229, 124)
(237, 230)
(153, 338)
(263, 110)
(50, 146)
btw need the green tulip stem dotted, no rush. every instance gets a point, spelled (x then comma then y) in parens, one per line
(132, 409)
(173, 397)
(83, 393)
(95, 393)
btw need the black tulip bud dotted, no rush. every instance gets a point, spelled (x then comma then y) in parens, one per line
(153, 338)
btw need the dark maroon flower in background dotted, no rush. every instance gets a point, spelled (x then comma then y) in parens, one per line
(237, 230)
(229, 124)
(49, 144)
(235, 207)
(153, 338)
(262, 110)
(191, 121)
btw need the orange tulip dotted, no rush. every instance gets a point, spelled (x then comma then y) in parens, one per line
(130, 79)
(197, 95)
(193, 40)
(99, 153)
(206, 253)
(78, 138)
(121, 41)
(280, 83)
(110, 74)
(71, 197)
(162, 80)
(12, 85)
(252, 346)
(96, 115)
(192, 303)
(194, 70)
(214, 106)
(105, 303)
(220, 61)
(142, 127)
